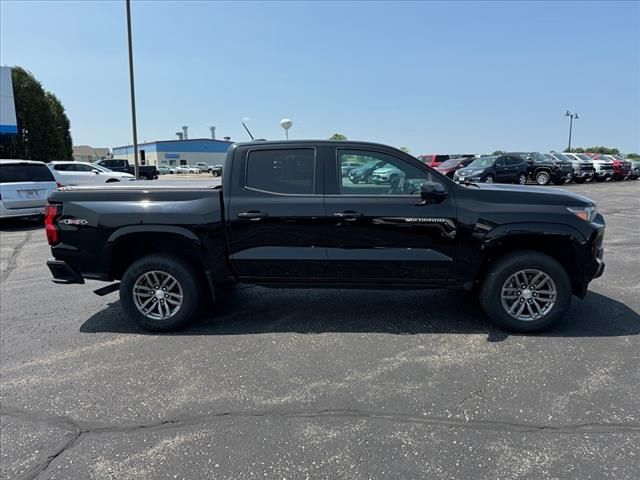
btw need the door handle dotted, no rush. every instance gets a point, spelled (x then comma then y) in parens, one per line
(348, 215)
(252, 215)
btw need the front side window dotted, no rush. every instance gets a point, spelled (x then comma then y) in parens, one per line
(379, 174)
(82, 168)
(289, 171)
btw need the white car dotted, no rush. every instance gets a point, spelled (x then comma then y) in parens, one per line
(70, 173)
(24, 188)
(187, 169)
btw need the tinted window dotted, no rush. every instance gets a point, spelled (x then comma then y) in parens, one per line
(500, 162)
(281, 171)
(483, 162)
(389, 175)
(63, 167)
(25, 172)
(514, 161)
(82, 168)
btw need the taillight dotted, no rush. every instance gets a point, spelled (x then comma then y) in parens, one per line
(59, 185)
(51, 213)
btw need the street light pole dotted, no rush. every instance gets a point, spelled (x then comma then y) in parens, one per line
(133, 94)
(571, 117)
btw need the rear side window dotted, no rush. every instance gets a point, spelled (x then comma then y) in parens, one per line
(281, 171)
(513, 161)
(25, 172)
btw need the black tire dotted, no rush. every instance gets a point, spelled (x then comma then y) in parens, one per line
(144, 177)
(600, 179)
(215, 173)
(489, 179)
(580, 180)
(188, 280)
(490, 294)
(522, 179)
(542, 177)
(558, 182)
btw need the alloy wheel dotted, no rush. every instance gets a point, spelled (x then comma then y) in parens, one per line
(528, 295)
(157, 295)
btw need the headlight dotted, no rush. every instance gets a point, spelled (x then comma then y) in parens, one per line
(586, 213)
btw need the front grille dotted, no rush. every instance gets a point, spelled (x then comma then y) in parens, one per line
(606, 167)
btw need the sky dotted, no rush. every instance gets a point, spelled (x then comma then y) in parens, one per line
(452, 77)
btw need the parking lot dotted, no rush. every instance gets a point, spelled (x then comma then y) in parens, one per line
(321, 383)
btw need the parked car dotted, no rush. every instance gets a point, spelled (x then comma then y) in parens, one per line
(280, 227)
(386, 174)
(346, 167)
(433, 160)
(450, 167)
(635, 168)
(500, 169)
(604, 166)
(215, 170)
(364, 173)
(583, 170)
(542, 169)
(69, 173)
(24, 188)
(146, 172)
(187, 169)
(164, 170)
(621, 167)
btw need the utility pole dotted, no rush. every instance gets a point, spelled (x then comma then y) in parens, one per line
(571, 117)
(133, 94)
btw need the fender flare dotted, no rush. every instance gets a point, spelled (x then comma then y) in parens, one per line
(531, 229)
(137, 229)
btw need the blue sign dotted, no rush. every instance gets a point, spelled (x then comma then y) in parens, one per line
(171, 155)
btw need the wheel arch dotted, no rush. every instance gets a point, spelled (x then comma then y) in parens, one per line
(560, 242)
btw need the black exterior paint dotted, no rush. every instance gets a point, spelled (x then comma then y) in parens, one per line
(323, 239)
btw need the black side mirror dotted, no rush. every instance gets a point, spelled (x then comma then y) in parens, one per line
(433, 192)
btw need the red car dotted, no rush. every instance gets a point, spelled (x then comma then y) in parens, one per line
(449, 167)
(433, 159)
(621, 167)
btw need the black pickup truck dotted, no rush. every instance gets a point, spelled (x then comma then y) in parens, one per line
(286, 217)
(146, 172)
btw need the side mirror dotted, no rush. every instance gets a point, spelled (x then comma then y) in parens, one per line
(433, 192)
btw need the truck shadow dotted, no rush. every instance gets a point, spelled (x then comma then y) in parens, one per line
(21, 224)
(254, 310)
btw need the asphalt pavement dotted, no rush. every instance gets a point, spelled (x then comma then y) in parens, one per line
(348, 384)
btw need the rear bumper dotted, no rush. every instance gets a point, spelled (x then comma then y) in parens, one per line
(63, 273)
(20, 212)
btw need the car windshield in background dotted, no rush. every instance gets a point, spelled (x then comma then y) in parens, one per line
(561, 156)
(25, 172)
(586, 158)
(483, 162)
(451, 163)
(101, 168)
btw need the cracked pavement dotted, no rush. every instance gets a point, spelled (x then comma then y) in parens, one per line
(320, 383)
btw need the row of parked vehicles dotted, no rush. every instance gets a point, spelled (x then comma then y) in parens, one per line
(197, 168)
(540, 168)
(513, 167)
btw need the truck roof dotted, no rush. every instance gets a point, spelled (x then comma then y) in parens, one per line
(310, 142)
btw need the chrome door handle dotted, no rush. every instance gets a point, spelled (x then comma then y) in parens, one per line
(253, 215)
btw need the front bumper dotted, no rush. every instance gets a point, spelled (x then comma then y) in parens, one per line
(63, 272)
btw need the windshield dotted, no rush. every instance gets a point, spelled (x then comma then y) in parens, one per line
(100, 167)
(483, 162)
(450, 163)
(583, 157)
(561, 156)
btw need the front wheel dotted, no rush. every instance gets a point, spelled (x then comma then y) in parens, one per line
(215, 173)
(161, 293)
(489, 179)
(543, 178)
(526, 291)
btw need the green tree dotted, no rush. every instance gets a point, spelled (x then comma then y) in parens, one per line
(595, 149)
(337, 136)
(498, 152)
(405, 149)
(43, 126)
(62, 146)
(633, 156)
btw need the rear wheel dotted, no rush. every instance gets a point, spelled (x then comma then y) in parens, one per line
(215, 173)
(161, 293)
(543, 177)
(522, 179)
(526, 291)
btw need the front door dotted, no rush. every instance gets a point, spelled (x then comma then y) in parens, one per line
(382, 232)
(276, 216)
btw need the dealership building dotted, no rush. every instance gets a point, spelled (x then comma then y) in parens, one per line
(176, 152)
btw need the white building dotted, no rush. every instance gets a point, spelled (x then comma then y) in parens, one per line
(85, 153)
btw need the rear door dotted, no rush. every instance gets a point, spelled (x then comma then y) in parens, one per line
(276, 215)
(25, 185)
(501, 170)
